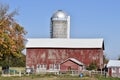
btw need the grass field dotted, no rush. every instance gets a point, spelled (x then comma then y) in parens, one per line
(47, 77)
(56, 77)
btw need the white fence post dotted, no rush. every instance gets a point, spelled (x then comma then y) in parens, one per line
(14, 72)
(2, 72)
(20, 73)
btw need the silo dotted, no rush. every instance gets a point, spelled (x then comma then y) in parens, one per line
(60, 25)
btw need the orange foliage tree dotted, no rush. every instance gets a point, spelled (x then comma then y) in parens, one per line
(12, 34)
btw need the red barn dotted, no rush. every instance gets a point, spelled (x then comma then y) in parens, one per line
(63, 54)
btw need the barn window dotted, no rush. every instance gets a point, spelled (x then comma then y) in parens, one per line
(43, 66)
(113, 70)
(56, 66)
(38, 66)
(51, 66)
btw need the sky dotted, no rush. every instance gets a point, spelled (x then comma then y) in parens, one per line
(89, 19)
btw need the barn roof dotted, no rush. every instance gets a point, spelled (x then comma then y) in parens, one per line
(113, 63)
(74, 60)
(64, 43)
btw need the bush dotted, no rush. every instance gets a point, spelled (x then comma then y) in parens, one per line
(92, 66)
(14, 61)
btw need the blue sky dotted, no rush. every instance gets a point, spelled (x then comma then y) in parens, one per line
(89, 19)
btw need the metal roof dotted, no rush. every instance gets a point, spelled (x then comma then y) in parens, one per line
(59, 14)
(113, 63)
(64, 43)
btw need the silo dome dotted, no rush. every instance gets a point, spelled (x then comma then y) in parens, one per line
(59, 14)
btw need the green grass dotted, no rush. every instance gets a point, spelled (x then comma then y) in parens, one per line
(43, 78)
(56, 77)
(106, 78)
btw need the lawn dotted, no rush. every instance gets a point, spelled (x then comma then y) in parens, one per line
(56, 77)
(46, 78)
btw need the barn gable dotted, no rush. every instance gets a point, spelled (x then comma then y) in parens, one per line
(73, 60)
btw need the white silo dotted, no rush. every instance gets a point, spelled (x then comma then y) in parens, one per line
(60, 25)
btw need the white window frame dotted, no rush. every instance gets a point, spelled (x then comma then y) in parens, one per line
(113, 70)
(51, 67)
(38, 66)
(42, 66)
(56, 66)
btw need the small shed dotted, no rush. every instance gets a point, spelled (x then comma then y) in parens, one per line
(114, 68)
(71, 64)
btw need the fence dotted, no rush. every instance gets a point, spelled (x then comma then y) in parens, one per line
(11, 73)
(72, 72)
(63, 72)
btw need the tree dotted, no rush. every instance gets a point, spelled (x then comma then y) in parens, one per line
(11, 35)
(14, 61)
(105, 59)
(92, 66)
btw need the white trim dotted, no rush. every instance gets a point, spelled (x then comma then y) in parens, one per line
(54, 66)
(51, 67)
(113, 70)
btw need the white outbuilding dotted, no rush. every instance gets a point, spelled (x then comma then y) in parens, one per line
(114, 68)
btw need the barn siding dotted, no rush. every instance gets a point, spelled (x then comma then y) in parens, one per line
(56, 56)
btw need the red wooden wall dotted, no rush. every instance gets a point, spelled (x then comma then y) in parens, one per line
(48, 56)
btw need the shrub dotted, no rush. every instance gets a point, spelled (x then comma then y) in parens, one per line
(92, 66)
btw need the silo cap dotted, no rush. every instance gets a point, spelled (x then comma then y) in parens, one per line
(60, 14)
